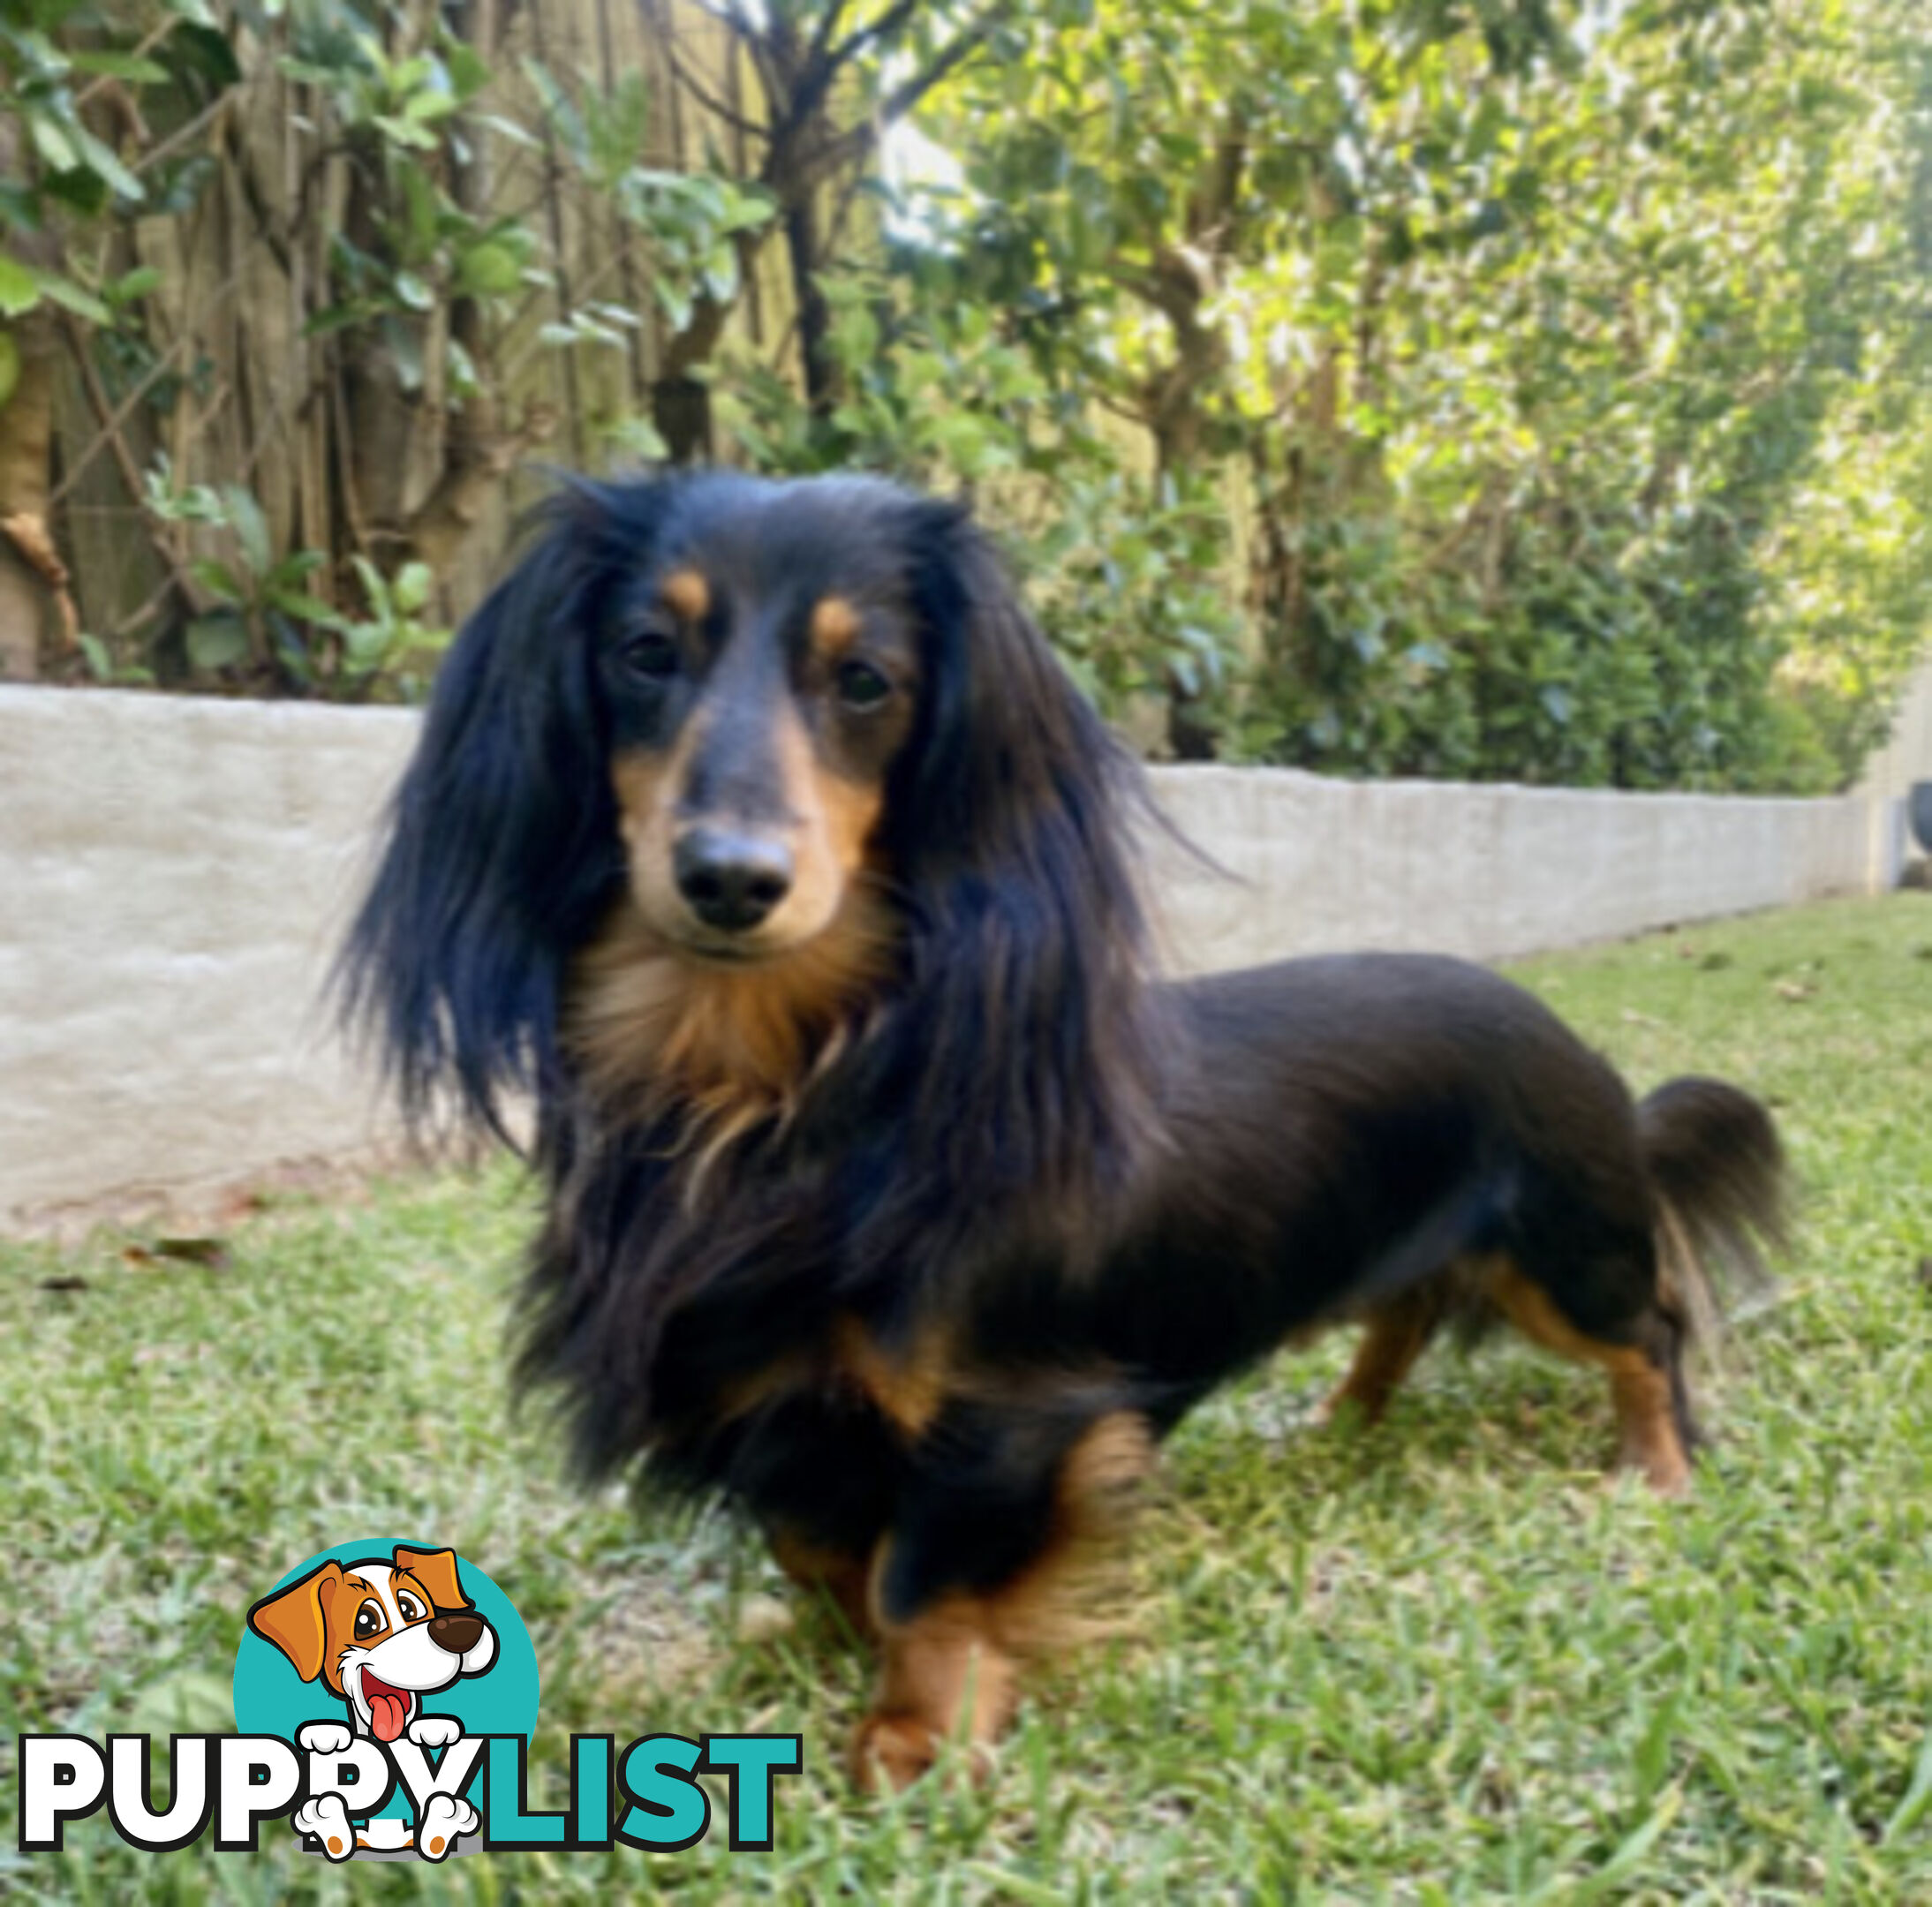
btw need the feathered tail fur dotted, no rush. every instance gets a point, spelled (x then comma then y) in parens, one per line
(1714, 1157)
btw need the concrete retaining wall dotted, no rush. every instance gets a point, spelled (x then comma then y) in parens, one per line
(174, 875)
(1488, 871)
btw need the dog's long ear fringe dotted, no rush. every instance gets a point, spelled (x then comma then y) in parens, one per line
(501, 849)
(1033, 1027)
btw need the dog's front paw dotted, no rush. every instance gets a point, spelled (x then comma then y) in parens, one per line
(434, 1731)
(445, 1817)
(328, 1819)
(323, 1737)
(890, 1752)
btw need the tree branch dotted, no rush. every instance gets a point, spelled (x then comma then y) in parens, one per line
(857, 141)
(131, 475)
(821, 34)
(888, 23)
(710, 101)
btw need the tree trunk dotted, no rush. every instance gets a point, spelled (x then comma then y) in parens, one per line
(821, 370)
(31, 579)
(478, 449)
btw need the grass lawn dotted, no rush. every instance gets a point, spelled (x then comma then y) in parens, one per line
(1436, 1661)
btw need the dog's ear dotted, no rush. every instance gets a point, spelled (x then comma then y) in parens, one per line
(1012, 754)
(296, 1619)
(1009, 825)
(436, 1570)
(502, 851)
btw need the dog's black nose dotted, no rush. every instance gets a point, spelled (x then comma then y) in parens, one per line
(458, 1633)
(732, 881)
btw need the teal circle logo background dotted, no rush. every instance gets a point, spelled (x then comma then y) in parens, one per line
(271, 1698)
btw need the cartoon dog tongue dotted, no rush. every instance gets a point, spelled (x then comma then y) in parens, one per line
(389, 1708)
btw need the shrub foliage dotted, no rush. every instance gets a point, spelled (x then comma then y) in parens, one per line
(1467, 387)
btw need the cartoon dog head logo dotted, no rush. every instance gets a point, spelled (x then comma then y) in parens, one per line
(379, 1632)
(429, 1662)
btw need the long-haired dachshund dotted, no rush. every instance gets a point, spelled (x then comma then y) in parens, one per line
(757, 837)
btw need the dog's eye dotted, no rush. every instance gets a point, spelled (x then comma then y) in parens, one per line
(860, 685)
(370, 1621)
(412, 1610)
(650, 654)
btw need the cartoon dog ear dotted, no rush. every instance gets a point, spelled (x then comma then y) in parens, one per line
(436, 1570)
(296, 1619)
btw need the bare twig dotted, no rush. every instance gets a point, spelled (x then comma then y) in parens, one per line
(122, 410)
(104, 415)
(709, 100)
(829, 16)
(884, 27)
(559, 254)
(351, 497)
(855, 143)
(146, 45)
(182, 134)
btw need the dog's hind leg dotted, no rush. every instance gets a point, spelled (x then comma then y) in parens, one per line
(1395, 1334)
(1643, 1364)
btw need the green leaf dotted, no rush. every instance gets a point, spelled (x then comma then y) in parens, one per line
(296, 565)
(19, 289)
(82, 303)
(217, 641)
(488, 271)
(83, 189)
(413, 292)
(137, 283)
(100, 663)
(403, 130)
(460, 370)
(420, 208)
(673, 300)
(215, 576)
(101, 158)
(406, 349)
(468, 72)
(306, 607)
(638, 437)
(128, 66)
(250, 527)
(410, 591)
(565, 121)
(205, 47)
(508, 129)
(366, 643)
(721, 273)
(429, 107)
(52, 142)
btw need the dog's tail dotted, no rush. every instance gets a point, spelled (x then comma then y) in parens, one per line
(1718, 1167)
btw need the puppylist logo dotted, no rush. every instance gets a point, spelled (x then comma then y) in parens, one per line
(385, 1696)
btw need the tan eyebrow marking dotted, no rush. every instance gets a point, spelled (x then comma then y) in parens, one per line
(835, 626)
(687, 592)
